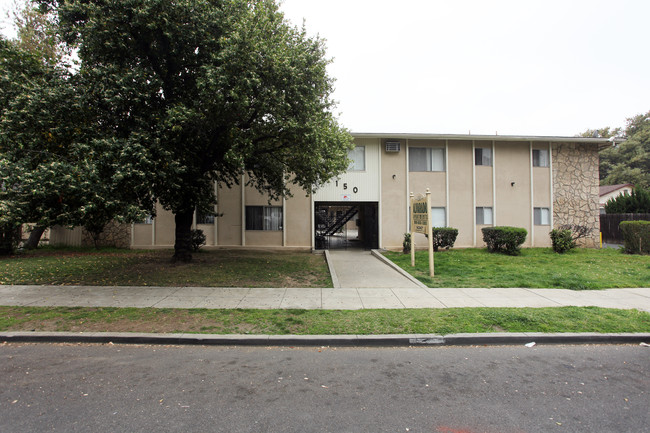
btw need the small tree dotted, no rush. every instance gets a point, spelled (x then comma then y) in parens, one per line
(636, 202)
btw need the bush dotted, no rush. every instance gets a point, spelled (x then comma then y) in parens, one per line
(198, 239)
(636, 236)
(562, 240)
(637, 202)
(406, 245)
(443, 237)
(504, 239)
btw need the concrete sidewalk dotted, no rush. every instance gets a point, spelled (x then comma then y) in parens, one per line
(340, 299)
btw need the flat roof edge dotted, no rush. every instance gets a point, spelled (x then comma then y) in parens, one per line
(419, 136)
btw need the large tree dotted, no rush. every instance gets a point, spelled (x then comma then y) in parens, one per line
(628, 162)
(54, 169)
(210, 89)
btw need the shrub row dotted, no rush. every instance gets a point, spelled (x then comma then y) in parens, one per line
(443, 237)
(636, 236)
(503, 239)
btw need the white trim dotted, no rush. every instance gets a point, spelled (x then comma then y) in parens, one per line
(550, 182)
(379, 213)
(284, 221)
(524, 138)
(474, 194)
(408, 193)
(132, 234)
(243, 210)
(313, 222)
(532, 197)
(494, 185)
(216, 214)
(447, 183)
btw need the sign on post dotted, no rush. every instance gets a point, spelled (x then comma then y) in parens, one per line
(421, 223)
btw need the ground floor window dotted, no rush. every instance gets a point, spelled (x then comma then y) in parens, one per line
(204, 217)
(438, 217)
(147, 220)
(263, 218)
(484, 215)
(541, 216)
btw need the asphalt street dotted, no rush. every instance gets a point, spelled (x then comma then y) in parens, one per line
(128, 388)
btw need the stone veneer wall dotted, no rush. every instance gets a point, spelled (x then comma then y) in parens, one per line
(114, 235)
(575, 188)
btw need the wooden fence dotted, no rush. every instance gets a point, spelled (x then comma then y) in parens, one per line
(609, 225)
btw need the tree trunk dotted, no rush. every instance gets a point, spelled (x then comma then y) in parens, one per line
(34, 237)
(183, 242)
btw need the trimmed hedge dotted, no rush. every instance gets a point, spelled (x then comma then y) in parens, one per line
(444, 237)
(504, 239)
(636, 236)
(562, 240)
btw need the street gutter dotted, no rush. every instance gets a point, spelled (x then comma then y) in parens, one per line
(390, 340)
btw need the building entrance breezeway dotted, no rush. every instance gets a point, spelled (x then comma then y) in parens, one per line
(343, 225)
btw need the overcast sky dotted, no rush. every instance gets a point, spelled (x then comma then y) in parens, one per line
(508, 67)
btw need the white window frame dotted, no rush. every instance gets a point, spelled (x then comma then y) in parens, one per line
(268, 222)
(434, 157)
(484, 215)
(540, 158)
(542, 216)
(485, 156)
(438, 218)
(355, 164)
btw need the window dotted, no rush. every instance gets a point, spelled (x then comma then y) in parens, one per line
(541, 215)
(484, 215)
(438, 217)
(483, 156)
(358, 158)
(263, 218)
(426, 159)
(204, 217)
(540, 158)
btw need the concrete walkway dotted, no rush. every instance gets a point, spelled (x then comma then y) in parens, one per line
(363, 269)
(343, 298)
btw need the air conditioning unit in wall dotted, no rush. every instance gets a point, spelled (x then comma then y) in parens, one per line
(392, 146)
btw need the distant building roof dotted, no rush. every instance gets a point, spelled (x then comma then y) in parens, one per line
(606, 189)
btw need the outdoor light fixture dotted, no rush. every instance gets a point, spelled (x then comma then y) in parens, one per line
(512, 184)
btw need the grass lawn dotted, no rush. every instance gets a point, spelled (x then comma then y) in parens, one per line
(579, 269)
(215, 268)
(324, 322)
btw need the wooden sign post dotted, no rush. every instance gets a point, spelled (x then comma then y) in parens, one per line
(421, 223)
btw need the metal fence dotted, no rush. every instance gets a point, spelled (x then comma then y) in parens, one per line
(609, 225)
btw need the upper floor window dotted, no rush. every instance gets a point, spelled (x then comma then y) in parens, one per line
(426, 159)
(540, 158)
(483, 156)
(358, 158)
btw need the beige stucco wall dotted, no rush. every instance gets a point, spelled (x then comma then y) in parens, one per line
(229, 223)
(461, 187)
(394, 200)
(460, 163)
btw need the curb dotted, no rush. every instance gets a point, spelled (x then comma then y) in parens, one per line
(330, 267)
(389, 262)
(391, 340)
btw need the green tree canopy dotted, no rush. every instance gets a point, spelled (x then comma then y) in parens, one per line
(636, 202)
(208, 90)
(628, 162)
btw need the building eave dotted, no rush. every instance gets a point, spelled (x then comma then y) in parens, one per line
(602, 143)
